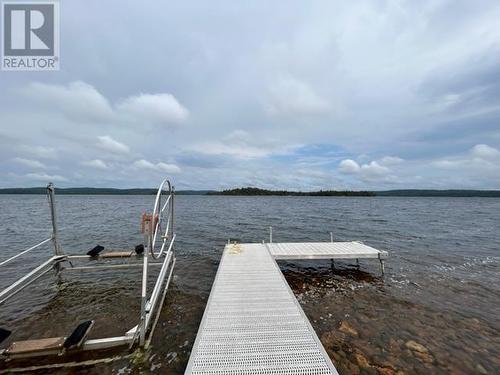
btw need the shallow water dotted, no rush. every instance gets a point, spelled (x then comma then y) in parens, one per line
(436, 311)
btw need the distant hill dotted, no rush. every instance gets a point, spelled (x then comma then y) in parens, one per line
(96, 191)
(252, 191)
(439, 193)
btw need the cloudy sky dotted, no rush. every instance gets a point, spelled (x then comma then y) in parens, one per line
(276, 94)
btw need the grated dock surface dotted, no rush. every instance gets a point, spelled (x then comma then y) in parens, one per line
(253, 324)
(324, 250)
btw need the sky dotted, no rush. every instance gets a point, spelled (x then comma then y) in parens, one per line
(298, 95)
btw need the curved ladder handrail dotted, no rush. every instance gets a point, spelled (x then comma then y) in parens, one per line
(157, 218)
(150, 306)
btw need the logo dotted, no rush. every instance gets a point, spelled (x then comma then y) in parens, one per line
(30, 39)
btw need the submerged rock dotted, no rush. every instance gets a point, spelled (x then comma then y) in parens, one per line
(347, 328)
(416, 347)
(481, 369)
(424, 357)
(361, 360)
(333, 340)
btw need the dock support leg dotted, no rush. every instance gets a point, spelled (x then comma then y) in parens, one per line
(55, 236)
(332, 264)
(357, 263)
(382, 268)
(142, 325)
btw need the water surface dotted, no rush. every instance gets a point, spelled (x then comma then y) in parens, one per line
(436, 311)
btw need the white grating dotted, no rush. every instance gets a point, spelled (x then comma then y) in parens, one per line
(324, 250)
(253, 323)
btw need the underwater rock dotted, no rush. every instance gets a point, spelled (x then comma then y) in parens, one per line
(424, 357)
(347, 328)
(351, 368)
(361, 360)
(415, 346)
(481, 369)
(333, 340)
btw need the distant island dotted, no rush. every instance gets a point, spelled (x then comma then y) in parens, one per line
(320, 193)
(253, 191)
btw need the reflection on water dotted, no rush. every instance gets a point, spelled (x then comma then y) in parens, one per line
(436, 311)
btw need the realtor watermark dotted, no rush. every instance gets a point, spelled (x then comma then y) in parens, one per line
(30, 35)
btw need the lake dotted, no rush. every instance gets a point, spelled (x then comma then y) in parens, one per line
(436, 310)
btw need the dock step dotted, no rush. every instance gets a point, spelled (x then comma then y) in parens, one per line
(118, 254)
(36, 346)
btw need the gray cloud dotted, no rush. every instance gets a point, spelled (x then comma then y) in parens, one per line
(398, 92)
(107, 143)
(95, 163)
(35, 164)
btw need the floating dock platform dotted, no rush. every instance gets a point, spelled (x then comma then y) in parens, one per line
(253, 324)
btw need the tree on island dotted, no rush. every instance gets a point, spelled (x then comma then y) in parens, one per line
(321, 193)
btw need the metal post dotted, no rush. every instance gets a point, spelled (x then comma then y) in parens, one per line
(172, 211)
(270, 234)
(148, 240)
(357, 263)
(142, 324)
(331, 236)
(52, 203)
(382, 268)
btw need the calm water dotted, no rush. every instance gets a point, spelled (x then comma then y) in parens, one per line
(436, 311)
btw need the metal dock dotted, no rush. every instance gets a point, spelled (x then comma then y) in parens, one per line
(253, 324)
(324, 250)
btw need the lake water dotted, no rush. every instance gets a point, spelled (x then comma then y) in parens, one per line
(436, 311)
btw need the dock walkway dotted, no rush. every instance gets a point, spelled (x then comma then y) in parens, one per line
(253, 324)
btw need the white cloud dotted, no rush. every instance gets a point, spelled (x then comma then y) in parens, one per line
(160, 167)
(238, 151)
(77, 100)
(485, 152)
(290, 96)
(143, 164)
(369, 171)
(107, 143)
(168, 168)
(479, 158)
(242, 145)
(40, 151)
(349, 166)
(44, 177)
(96, 163)
(374, 169)
(162, 109)
(390, 160)
(29, 163)
(81, 102)
(446, 164)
